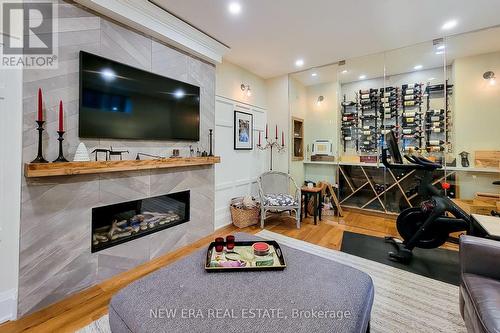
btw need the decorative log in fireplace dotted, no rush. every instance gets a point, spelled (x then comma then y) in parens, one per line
(123, 222)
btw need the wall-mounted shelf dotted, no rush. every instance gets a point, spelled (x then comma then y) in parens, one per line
(298, 139)
(94, 167)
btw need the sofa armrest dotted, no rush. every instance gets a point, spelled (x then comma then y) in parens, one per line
(480, 256)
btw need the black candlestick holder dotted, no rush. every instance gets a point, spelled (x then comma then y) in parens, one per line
(211, 138)
(61, 157)
(39, 158)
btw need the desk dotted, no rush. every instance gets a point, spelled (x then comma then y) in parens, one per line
(307, 192)
(487, 226)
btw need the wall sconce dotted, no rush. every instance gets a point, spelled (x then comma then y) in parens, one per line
(320, 100)
(490, 76)
(247, 89)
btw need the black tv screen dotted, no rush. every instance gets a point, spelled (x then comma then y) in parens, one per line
(122, 102)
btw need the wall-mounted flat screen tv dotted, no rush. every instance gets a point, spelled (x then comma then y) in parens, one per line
(122, 102)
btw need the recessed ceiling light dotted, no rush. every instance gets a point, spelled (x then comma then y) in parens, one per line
(362, 77)
(344, 71)
(299, 62)
(314, 74)
(234, 8)
(439, 52)
(418, 67)
(441, 47)
(449, 25)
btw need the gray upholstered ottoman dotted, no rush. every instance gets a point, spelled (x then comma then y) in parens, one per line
(312, 294)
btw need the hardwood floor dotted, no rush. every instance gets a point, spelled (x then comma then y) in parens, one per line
(81, 309)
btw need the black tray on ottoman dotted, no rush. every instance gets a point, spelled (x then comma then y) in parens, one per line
(249, 260)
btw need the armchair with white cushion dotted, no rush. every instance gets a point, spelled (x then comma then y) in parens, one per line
(275, 195)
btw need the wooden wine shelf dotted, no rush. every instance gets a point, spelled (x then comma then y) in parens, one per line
(93, 167)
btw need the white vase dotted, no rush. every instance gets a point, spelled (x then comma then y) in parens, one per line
(82, 154)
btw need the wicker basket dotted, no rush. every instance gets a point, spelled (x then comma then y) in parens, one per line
(244, 217)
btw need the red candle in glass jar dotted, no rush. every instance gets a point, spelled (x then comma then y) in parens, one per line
(230, 242)
(219, 244)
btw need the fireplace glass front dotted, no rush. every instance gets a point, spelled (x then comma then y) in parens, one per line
(123, 222)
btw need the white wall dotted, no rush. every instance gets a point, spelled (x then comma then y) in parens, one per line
(10, 188)
(476, 117)
(477, 104)
(237, 173)
(279, 114)
(230, 77)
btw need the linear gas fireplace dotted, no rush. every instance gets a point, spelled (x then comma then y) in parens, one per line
(123, 222)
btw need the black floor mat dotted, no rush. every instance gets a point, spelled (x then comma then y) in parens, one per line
(438, 264)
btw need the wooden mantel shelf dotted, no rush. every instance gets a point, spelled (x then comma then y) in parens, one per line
(84, 168)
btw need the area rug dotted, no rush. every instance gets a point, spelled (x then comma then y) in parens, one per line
(404, 301)
(438, 264)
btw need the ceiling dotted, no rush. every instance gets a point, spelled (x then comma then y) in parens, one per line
(269, 35)
(403, 60)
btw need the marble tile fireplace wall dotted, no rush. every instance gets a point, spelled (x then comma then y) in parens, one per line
(55, 251)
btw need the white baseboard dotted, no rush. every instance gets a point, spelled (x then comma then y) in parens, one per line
(8, 305)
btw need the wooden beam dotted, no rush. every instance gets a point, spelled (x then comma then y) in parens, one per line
(84, 168)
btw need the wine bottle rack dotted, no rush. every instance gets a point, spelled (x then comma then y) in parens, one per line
(374, 112)
(349, 127)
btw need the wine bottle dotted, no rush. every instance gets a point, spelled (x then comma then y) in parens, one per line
(409, 91)
(435, 124)
(410, 120)
(410, 114)
(368, 127)
(411, 149)
(365, 132)
(347, 118)
(435, 130)
(348, 103)
(409, 103)
(411, 130)
(347, 138)
(435, 118)
(385, 131)
(435, 112)
(435, 142)
(434, 149)
(411, 136)
(365, 96)
(409, 98)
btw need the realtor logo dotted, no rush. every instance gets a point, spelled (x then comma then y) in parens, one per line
(29, 34)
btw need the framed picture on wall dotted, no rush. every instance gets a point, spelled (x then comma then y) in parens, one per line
(243, 131)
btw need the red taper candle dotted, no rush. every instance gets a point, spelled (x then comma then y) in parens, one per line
(40, 105)
(61, 127)
(276, 132)
(282, 138)
(259, 138)
(267, 131)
